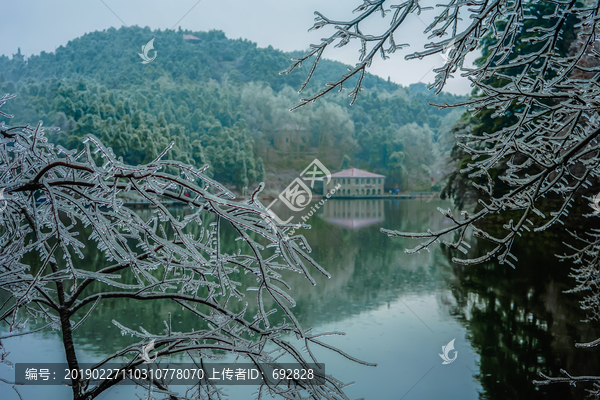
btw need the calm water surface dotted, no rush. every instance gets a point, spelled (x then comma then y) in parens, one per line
(397, 310)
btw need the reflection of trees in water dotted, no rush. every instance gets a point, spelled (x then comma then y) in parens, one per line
(367, 268)
(99, 334)
(521, 322)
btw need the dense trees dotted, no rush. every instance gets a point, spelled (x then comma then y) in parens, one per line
(219, 100)
(138, 124)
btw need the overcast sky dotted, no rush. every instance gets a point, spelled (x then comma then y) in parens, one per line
(43, 25)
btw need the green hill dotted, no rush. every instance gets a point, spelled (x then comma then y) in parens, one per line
(111, 57)
(223, 103)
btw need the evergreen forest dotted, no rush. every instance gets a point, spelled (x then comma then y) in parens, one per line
(224, 103)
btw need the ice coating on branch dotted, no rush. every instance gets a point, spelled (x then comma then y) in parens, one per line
(533, 74)
(60, 201)
(538, 73)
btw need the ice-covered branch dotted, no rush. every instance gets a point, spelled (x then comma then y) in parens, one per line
(536, 83)
(206, 261)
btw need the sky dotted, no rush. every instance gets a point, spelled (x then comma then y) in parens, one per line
(42, 25)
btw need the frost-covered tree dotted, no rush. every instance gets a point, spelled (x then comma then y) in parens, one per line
(536, 75)
(54, 196)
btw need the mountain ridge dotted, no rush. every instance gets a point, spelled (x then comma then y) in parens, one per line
(223, 102)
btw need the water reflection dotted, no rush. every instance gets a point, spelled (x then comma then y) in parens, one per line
(398, 310)
(521, 322)
(354, 214)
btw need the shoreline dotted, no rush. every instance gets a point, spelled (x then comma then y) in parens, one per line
(318, 197)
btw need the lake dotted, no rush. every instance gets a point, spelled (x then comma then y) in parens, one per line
(397, 311)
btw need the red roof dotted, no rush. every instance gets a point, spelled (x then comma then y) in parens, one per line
(355, 172)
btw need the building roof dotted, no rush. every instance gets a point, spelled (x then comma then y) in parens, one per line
(190, 37)
(355, 173)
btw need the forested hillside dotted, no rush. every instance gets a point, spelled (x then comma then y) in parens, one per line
(223, 103)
